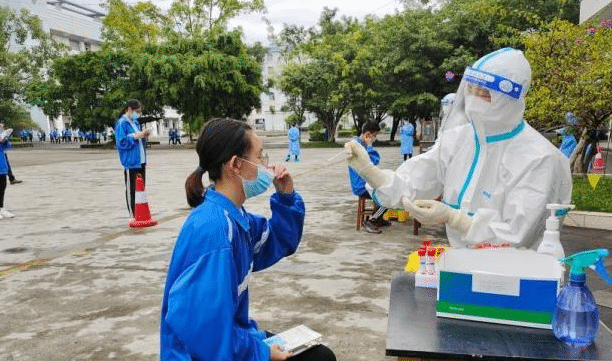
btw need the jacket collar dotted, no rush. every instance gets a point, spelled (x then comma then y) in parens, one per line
(238, 214)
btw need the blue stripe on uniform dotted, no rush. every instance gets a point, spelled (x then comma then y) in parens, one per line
(504, 136)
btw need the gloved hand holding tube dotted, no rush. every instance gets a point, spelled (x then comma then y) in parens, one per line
(430, 212)
(358, 159)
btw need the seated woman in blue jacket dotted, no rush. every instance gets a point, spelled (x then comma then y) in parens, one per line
(205, 310)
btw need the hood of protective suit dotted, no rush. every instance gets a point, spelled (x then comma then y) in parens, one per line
(504, 112)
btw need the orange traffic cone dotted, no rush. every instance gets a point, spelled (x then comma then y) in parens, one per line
(142, 215)
(598, 161)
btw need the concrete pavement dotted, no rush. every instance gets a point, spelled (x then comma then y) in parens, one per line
(76, 283)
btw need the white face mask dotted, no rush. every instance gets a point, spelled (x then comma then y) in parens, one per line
(476, 107)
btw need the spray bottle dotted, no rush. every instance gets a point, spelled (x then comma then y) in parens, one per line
(576, 319)
(551, 242)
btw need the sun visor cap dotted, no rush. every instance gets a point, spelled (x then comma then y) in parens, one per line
(493, 82)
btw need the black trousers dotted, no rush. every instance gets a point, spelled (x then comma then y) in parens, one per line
(317, 353)
(130, 186)
(378, 210)
(10, 171)
(2, 189)
(406, 156)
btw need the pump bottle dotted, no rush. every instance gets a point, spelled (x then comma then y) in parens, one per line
(576, 319)
(551, 242)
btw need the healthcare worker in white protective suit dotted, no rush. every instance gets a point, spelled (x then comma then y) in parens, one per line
(446, 105)
(495, 174)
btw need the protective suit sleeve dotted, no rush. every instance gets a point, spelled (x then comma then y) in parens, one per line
(124, 135)
(201, 312)
(522, 220)
(360, 160)
(419, 177)
(279, 236)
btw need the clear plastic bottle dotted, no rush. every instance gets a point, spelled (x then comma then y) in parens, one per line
(575, 320)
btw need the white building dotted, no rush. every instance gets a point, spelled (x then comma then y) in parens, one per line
(80, 28)
(596, 10)
(272, 103)
(74, 25)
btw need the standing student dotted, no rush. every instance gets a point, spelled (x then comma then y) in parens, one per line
(205, 309)
(294, 143)
(131, 145)
(407, 140)
(6, 136)
(4, 169)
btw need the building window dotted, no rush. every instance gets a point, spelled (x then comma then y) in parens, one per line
(87, 46)
(75, 45)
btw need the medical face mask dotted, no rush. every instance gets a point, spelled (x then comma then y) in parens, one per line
(260, 184)
(135, 116)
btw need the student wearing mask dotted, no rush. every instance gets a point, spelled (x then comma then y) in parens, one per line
(358, 184)
(205, 309)
(131, 144)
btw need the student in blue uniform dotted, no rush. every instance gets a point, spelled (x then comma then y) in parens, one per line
(131, 145)
(407, 140)
(205, 309)
(294, 143)
(358, 184)
(4, 169)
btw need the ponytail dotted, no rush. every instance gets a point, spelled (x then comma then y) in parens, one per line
(218, 142)
(194, 188)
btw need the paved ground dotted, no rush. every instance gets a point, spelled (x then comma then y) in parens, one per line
(76, 283)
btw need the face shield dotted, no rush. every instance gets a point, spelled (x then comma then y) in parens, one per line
(486, 93)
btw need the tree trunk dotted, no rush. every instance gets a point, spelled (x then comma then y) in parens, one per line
(394, 128)
(575, 159)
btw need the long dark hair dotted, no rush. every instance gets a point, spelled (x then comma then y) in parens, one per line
(133, 104)
(218, 142)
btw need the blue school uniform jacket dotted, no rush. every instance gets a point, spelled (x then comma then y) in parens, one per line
(131, 150)
(3, 163)
(358, 183)
(205, 310)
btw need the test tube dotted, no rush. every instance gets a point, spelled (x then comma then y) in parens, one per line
(431, 256)
(422, 261)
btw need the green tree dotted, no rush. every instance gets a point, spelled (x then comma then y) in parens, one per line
(20, 65)
(193, 18)
(91, 87)
(571, 71)
(201, 78)
(131, 26)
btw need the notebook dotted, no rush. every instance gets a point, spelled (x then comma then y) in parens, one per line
(295, 340)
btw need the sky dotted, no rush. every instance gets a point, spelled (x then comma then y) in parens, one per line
(299, 12)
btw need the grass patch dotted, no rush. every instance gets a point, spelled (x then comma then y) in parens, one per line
(588, 199)
(321, 144)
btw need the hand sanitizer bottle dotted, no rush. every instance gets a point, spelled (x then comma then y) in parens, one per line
(551, 242)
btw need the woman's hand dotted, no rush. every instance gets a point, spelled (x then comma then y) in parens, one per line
(283, 182)
(142, 134)
(276, 354)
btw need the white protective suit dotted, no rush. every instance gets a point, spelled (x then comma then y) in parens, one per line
(496, 168)
(446, 104)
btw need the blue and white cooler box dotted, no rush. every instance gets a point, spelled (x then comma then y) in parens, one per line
(508, 286)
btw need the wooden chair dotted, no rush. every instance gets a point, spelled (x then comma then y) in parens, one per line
(363, 211)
